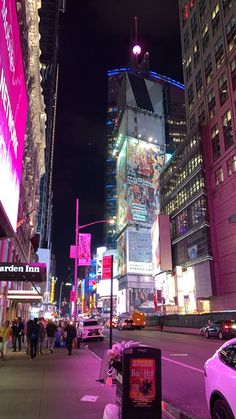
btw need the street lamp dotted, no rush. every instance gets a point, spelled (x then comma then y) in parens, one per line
(77, 228)
(67, 284)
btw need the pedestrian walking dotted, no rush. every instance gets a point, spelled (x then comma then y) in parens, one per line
(5, 336)
(51, 332)
(71, 334)
(33, 332)
(17, 331)
(42, 335)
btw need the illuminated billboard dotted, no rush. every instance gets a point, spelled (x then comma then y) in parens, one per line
(139, 258)
(121, 254)
(161, 245)
(138, 170)
(13, 112)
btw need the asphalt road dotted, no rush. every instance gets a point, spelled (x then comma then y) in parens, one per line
(183, 358)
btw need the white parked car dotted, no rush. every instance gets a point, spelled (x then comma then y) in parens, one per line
(90, 329)
(220, 381)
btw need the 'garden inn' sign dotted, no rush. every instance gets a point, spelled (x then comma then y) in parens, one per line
(11, 271)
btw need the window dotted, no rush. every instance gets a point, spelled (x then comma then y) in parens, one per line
(205, 37)
(202, 8)
(185, 13)
(191, 3)
(228, 167)
(211, 103)
(219, 176)
(194, 25)
(227, 5)
(190, 97)
(233, 72)
(208, 69)
(227, 130)
(196, 54)
(199, 85)
(189, 67)
(215, 18)
(228, 356)
(223, 88)
(215, 139)
(231, 33)
(186, 40)
(219, 53)
(201, 113)
(192, 121)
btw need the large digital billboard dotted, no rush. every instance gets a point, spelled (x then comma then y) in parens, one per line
(139, 258)
(138, 170)
(13, 111)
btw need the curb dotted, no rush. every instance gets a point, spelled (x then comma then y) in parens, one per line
(172, 412)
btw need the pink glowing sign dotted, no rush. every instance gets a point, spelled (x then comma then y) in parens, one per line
(13, 111)
(84, 252)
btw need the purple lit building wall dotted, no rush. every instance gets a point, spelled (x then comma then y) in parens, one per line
(208, 33)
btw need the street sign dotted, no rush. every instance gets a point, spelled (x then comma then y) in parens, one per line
(107, 262)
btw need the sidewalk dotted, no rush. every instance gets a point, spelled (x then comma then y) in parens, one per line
(51, 386)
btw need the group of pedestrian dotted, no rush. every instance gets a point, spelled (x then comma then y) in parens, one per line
(34, 333)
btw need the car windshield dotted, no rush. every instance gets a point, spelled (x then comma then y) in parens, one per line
(90, 323)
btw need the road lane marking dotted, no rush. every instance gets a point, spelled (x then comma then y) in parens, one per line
(183, 365)
(93, 353)
(178, 354)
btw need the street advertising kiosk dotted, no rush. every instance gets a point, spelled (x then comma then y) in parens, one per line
(139, 392)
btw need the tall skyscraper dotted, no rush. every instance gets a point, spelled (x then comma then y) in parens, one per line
(145, 90)
(145, 123)
(208, 33)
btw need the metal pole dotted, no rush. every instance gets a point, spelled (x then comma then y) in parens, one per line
(76, 257)
(59, 308)
(111, 303)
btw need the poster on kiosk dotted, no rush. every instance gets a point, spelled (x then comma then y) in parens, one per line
(139, 388)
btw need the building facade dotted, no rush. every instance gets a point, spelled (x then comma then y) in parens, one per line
(208, 33)
(183, 196)
(133, 87)
(20, 245)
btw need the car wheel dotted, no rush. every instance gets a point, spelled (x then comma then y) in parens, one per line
(207, 334)
(221, 410)
(220, 335)
(101, 338)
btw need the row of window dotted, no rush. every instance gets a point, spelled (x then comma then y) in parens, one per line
(183, 196)
(222, 89)
(202, 11)
(188, 147)
(230, 169)
(194, 215)
(192, 247)
(227, 135)
(182, 174)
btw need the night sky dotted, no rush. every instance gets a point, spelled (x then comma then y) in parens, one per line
(96, 36)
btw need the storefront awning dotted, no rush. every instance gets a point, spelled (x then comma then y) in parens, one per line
(22, 272)
(24, 296)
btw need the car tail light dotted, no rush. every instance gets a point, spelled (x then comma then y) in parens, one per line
(144, 322)
(134, 324)
(226, 327)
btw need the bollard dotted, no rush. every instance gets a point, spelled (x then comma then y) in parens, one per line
(111, 411)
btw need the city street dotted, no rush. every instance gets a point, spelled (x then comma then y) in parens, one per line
(183, 358)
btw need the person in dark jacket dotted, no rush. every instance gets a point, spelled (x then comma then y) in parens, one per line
(17, 332)
(51, 329)
(70, 336)
(33, 332)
